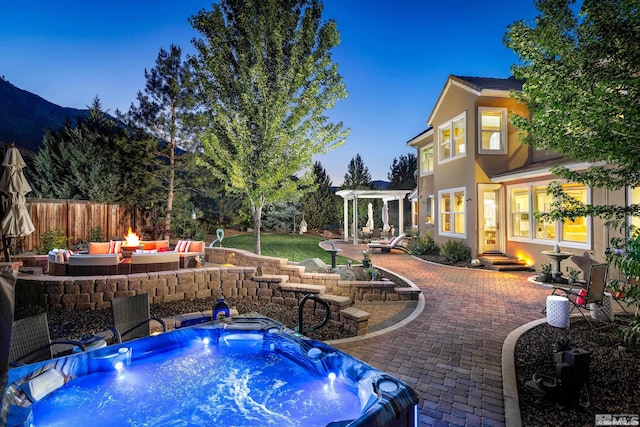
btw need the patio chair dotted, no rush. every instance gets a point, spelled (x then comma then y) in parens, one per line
(31, 342)
(132, 318)
(593, 293)
(387, 246)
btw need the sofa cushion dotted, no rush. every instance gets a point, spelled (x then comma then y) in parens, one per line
(99, 247)
(196, 246)
(88, 260)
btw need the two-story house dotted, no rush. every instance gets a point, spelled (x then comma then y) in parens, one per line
(477, 182)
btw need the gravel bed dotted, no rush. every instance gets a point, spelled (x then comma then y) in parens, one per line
(73, 324)
(614, 377)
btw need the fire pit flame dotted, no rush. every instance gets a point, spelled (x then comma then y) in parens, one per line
(131, 239)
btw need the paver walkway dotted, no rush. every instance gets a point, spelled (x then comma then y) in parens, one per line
(451, 353)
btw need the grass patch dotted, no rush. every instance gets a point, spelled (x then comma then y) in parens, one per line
(294, 247)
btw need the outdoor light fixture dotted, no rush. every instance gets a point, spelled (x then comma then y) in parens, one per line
(193, 214)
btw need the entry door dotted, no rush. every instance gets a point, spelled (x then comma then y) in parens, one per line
(490, 230)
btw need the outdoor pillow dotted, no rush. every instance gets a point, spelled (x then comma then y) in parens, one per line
(581, 299)
(115, 246)
(183, 246)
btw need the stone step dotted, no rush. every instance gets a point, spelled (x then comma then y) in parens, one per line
(501, 262)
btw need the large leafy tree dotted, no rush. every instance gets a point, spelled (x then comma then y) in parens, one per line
(582, 88)
(95, 159)
(403, 173)
(266, 77)
(358, 176)
(165, 109)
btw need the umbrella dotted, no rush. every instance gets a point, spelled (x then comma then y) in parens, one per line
(16, 221)
(370, 223)
(385, 217)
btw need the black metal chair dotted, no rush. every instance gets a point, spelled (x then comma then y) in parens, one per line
(31, 342)
(593, 293)
(132, 318)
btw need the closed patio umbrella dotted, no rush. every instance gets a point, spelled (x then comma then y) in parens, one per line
(370, 223)
(385, 217)
(16, 221)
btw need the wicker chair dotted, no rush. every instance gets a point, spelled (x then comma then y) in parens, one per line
(131, 317)
(31, 342)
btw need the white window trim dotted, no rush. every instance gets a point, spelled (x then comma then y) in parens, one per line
(451, 192)
(433, 159)
(503, 132)
(558, 226)
(449, 124)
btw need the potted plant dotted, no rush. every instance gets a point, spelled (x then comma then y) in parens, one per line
(366, 259)
(573, 275)
(545, 275)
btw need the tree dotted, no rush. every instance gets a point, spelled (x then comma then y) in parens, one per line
(320, 206)
(582, 89)
(357, 176)
(265, 77)
(166, 110)
(403, 174)
(583, 94)
(95, 159)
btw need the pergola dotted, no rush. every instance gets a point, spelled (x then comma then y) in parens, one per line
(355, 195)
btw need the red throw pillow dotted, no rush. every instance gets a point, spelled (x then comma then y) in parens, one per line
(581, 299)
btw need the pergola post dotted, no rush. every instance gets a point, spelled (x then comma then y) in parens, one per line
(345, 218)
(355, 220)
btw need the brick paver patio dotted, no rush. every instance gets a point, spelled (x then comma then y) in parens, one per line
(451, 353)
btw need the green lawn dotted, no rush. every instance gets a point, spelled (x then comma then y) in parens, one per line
(294, 247)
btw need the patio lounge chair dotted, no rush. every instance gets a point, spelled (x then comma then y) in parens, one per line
(385, 246)
(131, 318)
(581, 297)
(31, 342)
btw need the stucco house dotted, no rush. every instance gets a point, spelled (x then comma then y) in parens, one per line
(477, 182)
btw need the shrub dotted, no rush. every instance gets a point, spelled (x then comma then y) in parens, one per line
(456, 251)
(424, 246)
(52, 239)
(96, 234)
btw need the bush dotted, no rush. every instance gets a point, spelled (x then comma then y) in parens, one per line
(456, 251)
(424, 246)
(96, 234)
(52, 239)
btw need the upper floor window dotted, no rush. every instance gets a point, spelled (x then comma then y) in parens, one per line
(426, 159)
(452, 138)
(492, 124)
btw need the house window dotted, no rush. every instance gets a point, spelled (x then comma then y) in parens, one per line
(492, 130)
(430, 208)
(520, 213)
(414, 217)
(452, 212)
(634, 199)
(453, 138)
(426, 159)
(526, 200)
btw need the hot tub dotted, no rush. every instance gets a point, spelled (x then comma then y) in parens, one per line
(240, 372)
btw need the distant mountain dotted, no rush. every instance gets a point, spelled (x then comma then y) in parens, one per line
(380, 185)
(24, 117)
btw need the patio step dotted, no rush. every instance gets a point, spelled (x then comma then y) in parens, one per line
(502, 262)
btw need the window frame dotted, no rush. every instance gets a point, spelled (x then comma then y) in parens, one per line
(453, 214)
(558, 226)
(449, 125)
(423, 150)
(503, 131)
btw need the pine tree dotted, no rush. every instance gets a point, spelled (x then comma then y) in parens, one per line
(403, 174)
(320, 207)
(357, 176)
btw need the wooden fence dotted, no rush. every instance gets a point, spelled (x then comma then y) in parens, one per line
(77, 218)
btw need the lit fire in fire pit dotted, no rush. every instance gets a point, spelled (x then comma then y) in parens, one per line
(131, 239)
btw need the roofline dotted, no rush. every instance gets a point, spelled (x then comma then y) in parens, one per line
(537, 173)
(428, 131)
(455, 80)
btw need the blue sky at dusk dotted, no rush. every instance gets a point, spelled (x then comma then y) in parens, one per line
(395, 57)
